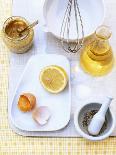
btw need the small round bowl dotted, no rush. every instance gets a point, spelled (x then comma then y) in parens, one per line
(78, 118)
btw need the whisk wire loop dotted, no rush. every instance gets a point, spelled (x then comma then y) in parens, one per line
(65, 28)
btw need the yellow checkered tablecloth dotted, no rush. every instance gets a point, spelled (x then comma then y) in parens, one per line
(13, 144)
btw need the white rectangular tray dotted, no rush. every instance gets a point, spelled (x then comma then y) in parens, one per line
(45, 43)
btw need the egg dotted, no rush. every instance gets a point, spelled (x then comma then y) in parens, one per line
(27, 102)
(41, 115)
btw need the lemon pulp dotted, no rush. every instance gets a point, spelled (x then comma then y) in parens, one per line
(53, 78)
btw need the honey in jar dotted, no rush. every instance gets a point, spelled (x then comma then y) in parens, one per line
(15, 41)
(97, 57)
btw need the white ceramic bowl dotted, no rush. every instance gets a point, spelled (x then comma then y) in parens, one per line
(92, 12)
(81, 130)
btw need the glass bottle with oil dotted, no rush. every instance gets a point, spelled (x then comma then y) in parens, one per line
(97, 57)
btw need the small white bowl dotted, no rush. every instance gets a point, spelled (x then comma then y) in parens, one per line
(78, 117)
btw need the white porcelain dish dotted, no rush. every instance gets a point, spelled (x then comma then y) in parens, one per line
(92, 12)
(59, 104)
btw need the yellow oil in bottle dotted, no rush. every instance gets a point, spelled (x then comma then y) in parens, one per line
(97, 57)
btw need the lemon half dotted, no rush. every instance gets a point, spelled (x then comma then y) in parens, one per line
(53, 78)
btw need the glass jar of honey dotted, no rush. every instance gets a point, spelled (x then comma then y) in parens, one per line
(97, 57)
(15, 41)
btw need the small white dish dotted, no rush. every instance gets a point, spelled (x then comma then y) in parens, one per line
(59, 104)
(92, 13)
(78, 118)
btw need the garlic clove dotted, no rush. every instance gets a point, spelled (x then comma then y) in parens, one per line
(41, 115)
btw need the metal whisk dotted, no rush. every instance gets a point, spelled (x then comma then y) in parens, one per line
(65, 28)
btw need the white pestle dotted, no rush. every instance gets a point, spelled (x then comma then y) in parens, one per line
(99, 118)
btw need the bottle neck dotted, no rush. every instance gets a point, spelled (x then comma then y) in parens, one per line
(100, 46)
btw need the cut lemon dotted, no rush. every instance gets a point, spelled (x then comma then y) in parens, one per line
(53, 78)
